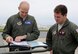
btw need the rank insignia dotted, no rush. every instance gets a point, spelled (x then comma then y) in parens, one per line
(19, 23)
(54, 32)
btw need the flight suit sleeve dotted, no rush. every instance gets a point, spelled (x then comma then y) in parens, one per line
(74, 32)
(34, 34)
(7, 29)
(49, 39)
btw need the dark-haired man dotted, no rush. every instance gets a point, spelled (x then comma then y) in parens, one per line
(62, 37)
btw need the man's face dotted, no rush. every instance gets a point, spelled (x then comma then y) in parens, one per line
(23, 12)
(59, 18)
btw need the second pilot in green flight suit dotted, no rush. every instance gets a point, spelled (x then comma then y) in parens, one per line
(62, 37)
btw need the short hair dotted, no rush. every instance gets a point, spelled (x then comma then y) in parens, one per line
(24, 2)
(61, 9)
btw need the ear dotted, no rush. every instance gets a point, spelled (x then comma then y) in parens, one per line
(65, 15)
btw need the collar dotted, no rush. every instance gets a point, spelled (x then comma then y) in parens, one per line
(66, 23)
(18, 16)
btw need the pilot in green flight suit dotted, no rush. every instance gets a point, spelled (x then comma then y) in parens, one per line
(62, 37)
(21, 26)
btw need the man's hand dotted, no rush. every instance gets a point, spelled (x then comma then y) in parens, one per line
(9, 39)
(19, 38)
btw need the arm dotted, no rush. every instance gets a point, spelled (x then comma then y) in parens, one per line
(74, 33)
(7, 32)
(49, 39)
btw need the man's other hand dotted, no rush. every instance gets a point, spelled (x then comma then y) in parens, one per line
(9, 39)
(19, 38)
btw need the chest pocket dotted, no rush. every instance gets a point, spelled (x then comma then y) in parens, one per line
(28, 25)
(65, 34)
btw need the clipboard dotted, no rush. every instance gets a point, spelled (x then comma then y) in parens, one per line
(31, 50)
(31, 44)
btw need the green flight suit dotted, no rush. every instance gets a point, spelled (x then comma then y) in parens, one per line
(65, 40)
(16, 26)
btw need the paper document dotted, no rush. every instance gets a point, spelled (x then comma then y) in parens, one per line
(29, 43)
(36, 43)
(20, 43)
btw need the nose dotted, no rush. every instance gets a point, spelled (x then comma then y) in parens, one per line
(24, 13)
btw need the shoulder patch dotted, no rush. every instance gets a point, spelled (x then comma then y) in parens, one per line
(77, 30)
